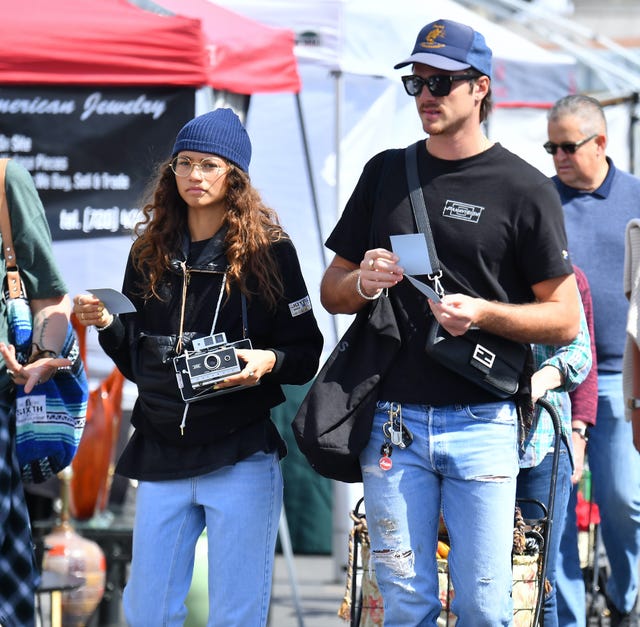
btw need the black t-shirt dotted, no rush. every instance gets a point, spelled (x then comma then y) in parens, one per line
(498, 228)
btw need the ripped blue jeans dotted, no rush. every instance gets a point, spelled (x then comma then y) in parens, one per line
(463, 461)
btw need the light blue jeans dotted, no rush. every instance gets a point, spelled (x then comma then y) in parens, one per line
(570, 584)
(463, 461)
(240, 507)
(615, 472)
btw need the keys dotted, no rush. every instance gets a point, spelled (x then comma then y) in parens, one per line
(396, 433)
(395, 430)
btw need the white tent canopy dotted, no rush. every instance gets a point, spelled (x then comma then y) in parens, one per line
(367, 38)
(354, 105)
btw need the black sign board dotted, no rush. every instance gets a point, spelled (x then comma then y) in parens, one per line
(91, 151)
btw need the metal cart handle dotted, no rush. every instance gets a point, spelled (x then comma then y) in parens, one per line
(557, 428)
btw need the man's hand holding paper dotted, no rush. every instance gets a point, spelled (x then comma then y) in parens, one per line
(412, 251)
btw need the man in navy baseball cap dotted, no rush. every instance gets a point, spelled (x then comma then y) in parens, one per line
(498, 228)
(449, 45)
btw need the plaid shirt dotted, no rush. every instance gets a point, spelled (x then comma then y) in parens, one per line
(574, 362)
(18, 574)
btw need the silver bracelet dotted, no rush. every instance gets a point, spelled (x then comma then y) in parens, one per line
(362, 294)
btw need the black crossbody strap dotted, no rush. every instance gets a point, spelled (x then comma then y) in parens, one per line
(420, 209)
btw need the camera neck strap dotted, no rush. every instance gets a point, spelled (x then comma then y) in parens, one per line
(243, 301)
(217, 311)
(183, 305)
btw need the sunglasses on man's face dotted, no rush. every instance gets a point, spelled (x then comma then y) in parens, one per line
(568, 148)
(438, 85)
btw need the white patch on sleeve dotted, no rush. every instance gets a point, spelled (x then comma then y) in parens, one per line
(300, 306)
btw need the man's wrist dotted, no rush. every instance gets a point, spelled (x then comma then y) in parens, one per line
(106, 326)
(361, 292)
(581, 431)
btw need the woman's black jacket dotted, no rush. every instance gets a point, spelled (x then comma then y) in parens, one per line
(143, 344)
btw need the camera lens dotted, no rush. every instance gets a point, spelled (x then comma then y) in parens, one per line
(212, 362)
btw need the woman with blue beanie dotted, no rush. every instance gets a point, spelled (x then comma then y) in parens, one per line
(222, 319)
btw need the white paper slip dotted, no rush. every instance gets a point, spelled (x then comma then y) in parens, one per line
(116, 302)
(424, 288)
(413, 253)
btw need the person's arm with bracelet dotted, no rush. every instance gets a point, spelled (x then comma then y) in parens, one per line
(112, 329)
(50, 323)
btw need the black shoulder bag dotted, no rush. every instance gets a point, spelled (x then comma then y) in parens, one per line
(492, 362)
(333, 423)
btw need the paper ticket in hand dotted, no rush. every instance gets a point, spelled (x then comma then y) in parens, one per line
(413, 253)
(414, 258)
(116, 302)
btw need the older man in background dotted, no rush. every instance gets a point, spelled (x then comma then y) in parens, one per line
(598, 201)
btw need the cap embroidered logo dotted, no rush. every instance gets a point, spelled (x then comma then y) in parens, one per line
(438, 30)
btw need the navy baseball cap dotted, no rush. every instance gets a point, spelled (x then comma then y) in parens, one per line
(449, 45)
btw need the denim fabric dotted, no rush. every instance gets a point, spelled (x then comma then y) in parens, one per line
(535, 483)
(615, 469)
(240, 507)
(463, 461)
(570, 585)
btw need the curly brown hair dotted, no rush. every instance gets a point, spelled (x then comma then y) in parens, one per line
(253, 227)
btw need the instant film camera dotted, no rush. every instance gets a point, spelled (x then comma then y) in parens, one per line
(211, 360)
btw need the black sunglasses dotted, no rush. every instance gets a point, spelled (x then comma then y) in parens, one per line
(438, 85)
(568, 148)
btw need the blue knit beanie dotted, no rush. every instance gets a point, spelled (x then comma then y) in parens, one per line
(219, 132)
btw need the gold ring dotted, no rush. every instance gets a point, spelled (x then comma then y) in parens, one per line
(82, 315)
(371, 263)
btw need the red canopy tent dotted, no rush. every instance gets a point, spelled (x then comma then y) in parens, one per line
(246, 56)
(102, 42)
(116, 43)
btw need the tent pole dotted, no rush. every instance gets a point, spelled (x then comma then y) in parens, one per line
(314, 197)
(338, 138)
(312, 187)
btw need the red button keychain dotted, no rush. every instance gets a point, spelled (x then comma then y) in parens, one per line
(385, 462)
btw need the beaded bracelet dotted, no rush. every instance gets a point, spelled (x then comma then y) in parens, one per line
(362, 294)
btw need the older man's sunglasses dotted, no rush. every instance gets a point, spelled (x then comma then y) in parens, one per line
(568, 148)
(438, 85)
